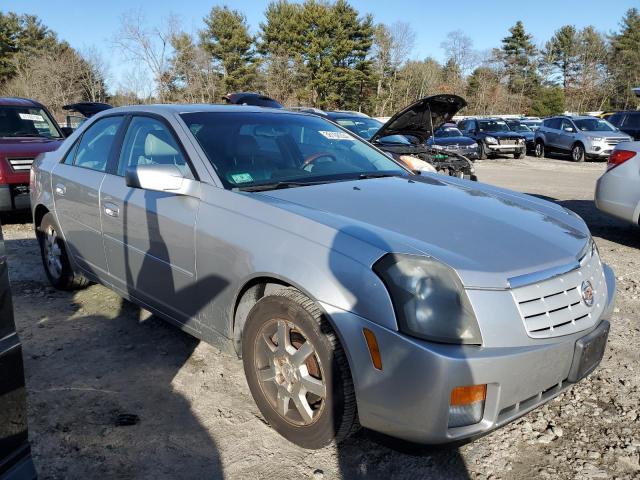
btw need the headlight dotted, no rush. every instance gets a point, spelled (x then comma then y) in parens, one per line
(596, 139)
(491, 140)
(429, 299)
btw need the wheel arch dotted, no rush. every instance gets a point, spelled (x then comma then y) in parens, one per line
(257, 287)
(38, 213)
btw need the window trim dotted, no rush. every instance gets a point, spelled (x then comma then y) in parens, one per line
(112, 167)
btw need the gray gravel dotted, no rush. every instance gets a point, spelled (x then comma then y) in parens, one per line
(118, 394)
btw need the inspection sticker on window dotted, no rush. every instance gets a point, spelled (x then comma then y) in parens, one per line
(241, 178)
(335, 135)
(32, 117)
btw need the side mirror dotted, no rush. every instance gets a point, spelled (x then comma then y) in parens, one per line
(161, 178)
(569, 129)
(66, 131)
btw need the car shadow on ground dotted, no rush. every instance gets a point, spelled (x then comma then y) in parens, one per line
(600, 224)
(115, 413)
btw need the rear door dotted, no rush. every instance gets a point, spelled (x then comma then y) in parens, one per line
(76, 185)
(148, 235)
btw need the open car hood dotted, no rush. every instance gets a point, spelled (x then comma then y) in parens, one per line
(422, 117)
(87, 109)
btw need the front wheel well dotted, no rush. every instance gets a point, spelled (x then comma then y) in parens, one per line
(39, 212)
(248, 296)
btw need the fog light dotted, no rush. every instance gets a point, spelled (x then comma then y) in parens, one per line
(466, 406)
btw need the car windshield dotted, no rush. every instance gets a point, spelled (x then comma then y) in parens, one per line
(249, 149)
(594, 125)
(519, 127)
(448, 132)
(361, 126)
(18, 121)
(493, 126)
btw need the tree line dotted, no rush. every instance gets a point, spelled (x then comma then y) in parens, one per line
(326, 55)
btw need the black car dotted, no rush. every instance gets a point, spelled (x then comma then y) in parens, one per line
(450, 139)
(15, 451)
(525, 131)
(627, 122)
(251, 98)
(404, 136)
(493, 136)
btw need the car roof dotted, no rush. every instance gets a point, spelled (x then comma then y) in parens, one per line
(18, 102)
(177, 108)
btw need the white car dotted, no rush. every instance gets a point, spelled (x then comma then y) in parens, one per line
(618, 190)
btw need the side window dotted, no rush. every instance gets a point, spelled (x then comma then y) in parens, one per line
(95, 144)
(566, 125)
(554, 123)
(149, 142)
(632, 120)
(71, 154)
(616, 119)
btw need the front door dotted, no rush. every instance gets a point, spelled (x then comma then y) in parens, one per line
(149, 235)
(75, 184)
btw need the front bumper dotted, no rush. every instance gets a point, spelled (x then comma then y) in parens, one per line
(409, 397)
(506, 148)
(14, 197)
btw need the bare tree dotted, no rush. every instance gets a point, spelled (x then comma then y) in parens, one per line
(458, 48)
(147, 46)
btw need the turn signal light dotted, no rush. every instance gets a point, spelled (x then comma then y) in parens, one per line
(618, 157)
(467, 395)
(374, 351)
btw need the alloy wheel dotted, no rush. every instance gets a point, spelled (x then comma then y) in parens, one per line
(539, 150)
(52, 252)
(290, 373)
(577, 153)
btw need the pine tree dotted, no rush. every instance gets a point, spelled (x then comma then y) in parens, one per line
(519, 56)
(226, 38)
(562, 51)
(625, 62)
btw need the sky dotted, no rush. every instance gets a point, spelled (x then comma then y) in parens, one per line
(90, 24)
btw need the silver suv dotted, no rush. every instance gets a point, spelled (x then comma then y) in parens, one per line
(581, 136)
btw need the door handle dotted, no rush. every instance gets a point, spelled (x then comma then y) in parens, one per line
(111, 210)
(60, 190)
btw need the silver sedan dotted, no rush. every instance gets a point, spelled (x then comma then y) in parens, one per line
(618, 189)
(425, 307)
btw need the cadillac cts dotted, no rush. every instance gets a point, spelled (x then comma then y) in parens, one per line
(426, 307)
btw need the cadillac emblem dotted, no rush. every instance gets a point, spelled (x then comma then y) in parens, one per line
(587, 293)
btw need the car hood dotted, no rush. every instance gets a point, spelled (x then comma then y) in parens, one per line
(453, 141)
(486, 233)
(421, 118)
(502, 134)
(28, 146)
(604, 134)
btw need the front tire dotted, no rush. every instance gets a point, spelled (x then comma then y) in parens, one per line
(297, 370)
(55, 258)
(482, 151)
(539, 149)
(577, 153)
(518, 155)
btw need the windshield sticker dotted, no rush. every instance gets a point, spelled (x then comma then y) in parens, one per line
(241, 178)
(32, 117)
(335, 135)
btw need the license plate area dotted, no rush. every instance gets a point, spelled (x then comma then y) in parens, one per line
(588, 352)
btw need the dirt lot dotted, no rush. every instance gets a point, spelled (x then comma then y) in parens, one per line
(116, 394)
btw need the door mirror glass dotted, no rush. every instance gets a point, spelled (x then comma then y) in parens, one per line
(161, 178)
(569, 129)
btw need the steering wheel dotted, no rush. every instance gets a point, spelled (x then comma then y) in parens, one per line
(312, 158)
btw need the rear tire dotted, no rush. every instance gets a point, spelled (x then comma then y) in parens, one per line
(306, 397)
(482, 151)
(55, 258)
(577, 153)
(539, 149)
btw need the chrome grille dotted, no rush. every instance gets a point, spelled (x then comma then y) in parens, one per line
(614, 141)
(20, 164)
(554, 307)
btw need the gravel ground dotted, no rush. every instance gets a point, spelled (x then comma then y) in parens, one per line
(117, 394)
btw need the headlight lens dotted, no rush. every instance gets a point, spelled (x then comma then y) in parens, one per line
(429, 299)
(596, 139)
(491, 140)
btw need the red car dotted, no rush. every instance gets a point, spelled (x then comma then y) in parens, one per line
(27, 129)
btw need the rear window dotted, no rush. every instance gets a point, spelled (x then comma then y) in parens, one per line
(17, 121)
